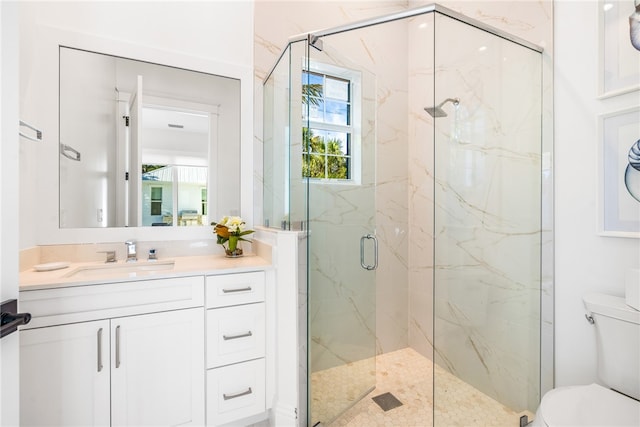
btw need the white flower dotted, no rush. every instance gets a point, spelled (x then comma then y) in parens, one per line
(235, 224)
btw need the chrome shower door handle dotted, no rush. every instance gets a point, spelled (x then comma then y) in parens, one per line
(375, 252)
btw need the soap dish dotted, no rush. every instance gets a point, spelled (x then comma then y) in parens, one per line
(50, 266)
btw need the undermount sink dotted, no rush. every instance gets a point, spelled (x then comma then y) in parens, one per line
(127, 269)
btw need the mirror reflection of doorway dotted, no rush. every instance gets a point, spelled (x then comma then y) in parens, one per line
(174, 154)
(99, 140)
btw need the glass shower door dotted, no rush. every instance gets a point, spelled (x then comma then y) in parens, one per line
(338, 157)
(487, 243)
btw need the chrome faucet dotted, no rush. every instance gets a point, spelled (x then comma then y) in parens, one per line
(132, 256)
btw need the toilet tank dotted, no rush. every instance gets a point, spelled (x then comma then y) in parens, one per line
(617, 329)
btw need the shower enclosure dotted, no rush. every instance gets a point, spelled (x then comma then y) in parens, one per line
(408, 150)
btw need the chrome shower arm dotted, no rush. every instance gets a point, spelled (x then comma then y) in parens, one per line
(455, 101)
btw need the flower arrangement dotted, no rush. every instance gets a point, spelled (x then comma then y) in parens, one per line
(230, 230)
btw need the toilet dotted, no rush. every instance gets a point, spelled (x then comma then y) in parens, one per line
(617, 401)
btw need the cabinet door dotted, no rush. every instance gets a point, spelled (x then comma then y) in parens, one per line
(157, 369)
(64, 375)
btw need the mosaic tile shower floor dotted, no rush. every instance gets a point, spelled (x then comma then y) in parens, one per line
(408, 376)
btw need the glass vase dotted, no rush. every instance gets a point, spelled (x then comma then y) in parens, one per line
(234, 250)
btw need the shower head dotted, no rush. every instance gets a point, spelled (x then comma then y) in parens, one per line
(437, 111)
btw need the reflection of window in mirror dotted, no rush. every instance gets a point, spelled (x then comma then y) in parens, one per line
(156, 200)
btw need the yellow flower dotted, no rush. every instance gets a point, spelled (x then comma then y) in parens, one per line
(221, 230)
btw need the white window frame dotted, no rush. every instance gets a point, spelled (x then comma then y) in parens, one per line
(152, 200)
(355, 79)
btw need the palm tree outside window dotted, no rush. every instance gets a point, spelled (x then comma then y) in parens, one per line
(328, 138)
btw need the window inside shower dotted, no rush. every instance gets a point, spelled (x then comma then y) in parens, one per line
(331, 140)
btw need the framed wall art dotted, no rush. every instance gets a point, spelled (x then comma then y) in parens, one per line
(619, 46)
(619, 172)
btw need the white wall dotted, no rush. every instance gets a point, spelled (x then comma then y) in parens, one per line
(10, 345)
(217, 32)
(585, 262)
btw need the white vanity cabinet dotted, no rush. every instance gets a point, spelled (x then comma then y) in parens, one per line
(65, 375)
(236, 385)
(156, 369)
(128, 353)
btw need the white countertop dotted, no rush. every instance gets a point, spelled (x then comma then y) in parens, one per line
(184, 266)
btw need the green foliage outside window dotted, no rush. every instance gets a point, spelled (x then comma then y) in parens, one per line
(149, 168)
(311, 93)
(323, 158)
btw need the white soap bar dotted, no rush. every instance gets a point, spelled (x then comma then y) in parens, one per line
(51, 266)
(632, 288)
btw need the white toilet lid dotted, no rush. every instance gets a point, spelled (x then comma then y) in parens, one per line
(588, 405)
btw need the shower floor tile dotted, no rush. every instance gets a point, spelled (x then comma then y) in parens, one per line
(408, 376)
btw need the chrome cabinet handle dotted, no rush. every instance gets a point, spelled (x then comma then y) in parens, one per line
(375, 252)
(118, 346)
(247, 289)
(65, 150)
(100, 350)
(235, 337)
(233, 396)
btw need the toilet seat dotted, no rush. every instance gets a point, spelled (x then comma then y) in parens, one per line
(587, 405)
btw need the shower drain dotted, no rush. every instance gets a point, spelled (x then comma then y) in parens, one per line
(387, 401)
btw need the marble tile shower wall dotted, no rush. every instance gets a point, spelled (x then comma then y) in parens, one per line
(404, 210)
(487, 214)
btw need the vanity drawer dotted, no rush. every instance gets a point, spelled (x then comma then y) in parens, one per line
(234, 289)
(235, 334)
(235, 392)
(50, 307)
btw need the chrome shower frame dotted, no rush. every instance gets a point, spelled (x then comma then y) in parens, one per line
(316, 36)
(314, 39)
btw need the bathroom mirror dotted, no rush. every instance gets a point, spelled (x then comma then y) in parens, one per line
(143, 144)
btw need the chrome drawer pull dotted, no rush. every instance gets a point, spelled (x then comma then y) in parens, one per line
(233, 396)
(226, 291)
(234, 337)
